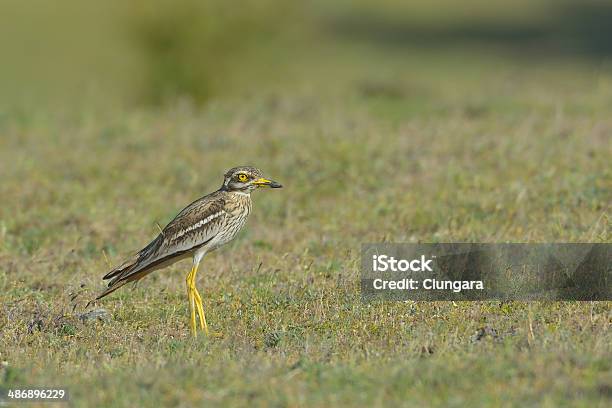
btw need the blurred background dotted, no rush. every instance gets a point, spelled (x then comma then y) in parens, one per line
(151, 53)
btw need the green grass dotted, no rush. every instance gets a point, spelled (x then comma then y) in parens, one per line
(371, 145)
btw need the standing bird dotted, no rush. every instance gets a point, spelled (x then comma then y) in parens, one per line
(199, 228)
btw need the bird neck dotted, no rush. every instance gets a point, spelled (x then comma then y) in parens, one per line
(245, 193)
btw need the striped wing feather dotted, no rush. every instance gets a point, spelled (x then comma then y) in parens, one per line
(196, 225)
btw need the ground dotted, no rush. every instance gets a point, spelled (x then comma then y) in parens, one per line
(381, 145)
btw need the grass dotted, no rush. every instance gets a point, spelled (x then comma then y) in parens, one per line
(428, 146)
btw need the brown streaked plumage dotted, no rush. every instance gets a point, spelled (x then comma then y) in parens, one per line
(199, 228)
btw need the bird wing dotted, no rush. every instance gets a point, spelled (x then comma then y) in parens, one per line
(196, 225)
(193, 227)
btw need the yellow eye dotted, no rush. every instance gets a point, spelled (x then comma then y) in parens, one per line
(242, 177)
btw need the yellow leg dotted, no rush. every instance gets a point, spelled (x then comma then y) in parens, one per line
(198, 301)
(191, 297)
(195, 302)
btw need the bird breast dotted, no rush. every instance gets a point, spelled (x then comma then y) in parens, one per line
(237, 209)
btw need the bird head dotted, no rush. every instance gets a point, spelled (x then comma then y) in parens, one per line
(246, 179)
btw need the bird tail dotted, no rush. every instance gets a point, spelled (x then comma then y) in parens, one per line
(133, 269)
(116, 276)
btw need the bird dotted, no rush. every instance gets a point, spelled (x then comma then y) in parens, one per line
(203, 226)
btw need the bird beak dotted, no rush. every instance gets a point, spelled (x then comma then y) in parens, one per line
(265, 182)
